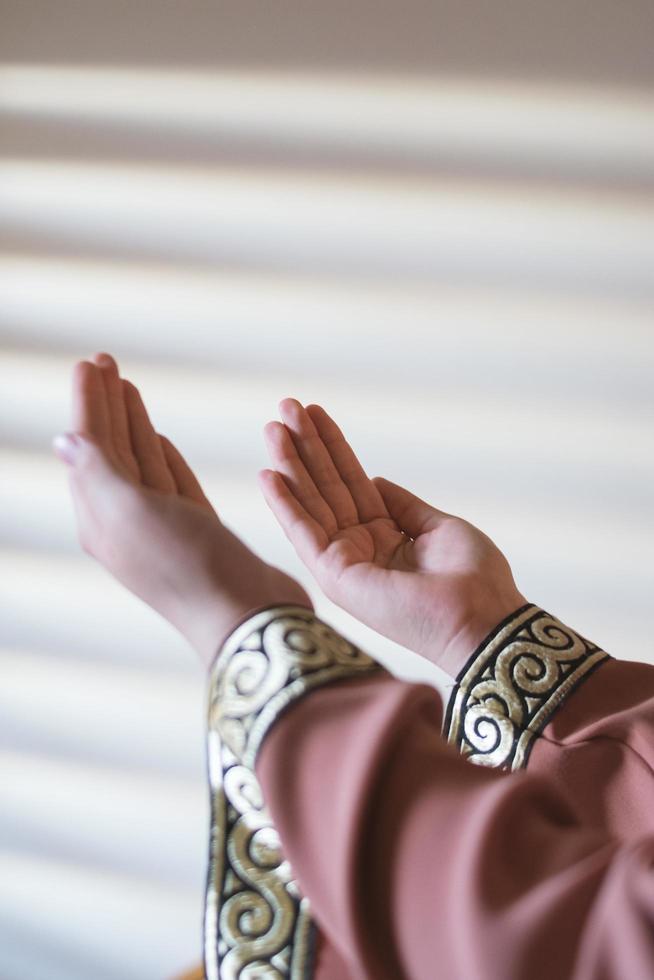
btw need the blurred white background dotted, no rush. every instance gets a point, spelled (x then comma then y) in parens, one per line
(438, 224)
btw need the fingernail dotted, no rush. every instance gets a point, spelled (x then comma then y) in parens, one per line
(65, 445)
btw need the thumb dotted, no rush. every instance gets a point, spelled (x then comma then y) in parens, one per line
(66, 446)
(83, 455)
(412, 515)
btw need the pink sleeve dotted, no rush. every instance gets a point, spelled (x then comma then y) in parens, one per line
(538, 695)
(411, 861)
(421, 865)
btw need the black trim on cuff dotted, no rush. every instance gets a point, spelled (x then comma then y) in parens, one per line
(513, 683)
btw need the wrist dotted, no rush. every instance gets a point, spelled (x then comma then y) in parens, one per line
(222, 612)
(476, 628)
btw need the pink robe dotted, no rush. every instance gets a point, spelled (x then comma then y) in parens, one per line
(350, 840)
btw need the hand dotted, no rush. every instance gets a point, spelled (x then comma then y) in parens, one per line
(426, 579)
(141, 513)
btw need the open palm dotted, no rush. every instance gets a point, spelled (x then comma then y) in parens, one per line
(422, 577)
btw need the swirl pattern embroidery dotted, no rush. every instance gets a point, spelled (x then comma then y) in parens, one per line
(512, 685)
(257, 924)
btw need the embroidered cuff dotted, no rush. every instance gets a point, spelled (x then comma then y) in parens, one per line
(513, 683)
(257, 923)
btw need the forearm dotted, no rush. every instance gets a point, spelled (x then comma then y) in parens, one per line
(231, 598)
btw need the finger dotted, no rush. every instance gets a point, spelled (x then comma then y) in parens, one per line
(119, 422)
(306, 535)
(285, 459)
(184, 477)
(146, 443)
(318, 463)
(412, 515)
(90, 406)
(366, 496)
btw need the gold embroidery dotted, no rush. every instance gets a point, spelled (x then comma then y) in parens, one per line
(513, 683)
(257, 924)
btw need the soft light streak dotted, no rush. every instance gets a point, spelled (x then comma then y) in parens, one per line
(257, 320)
(95, 813)
(354, 226)
(77, 906)
(598, 129)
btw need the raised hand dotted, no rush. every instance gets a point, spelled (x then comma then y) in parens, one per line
(426, 579)
(142, 513)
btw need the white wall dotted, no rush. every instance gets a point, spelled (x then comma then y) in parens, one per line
(439, 227)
